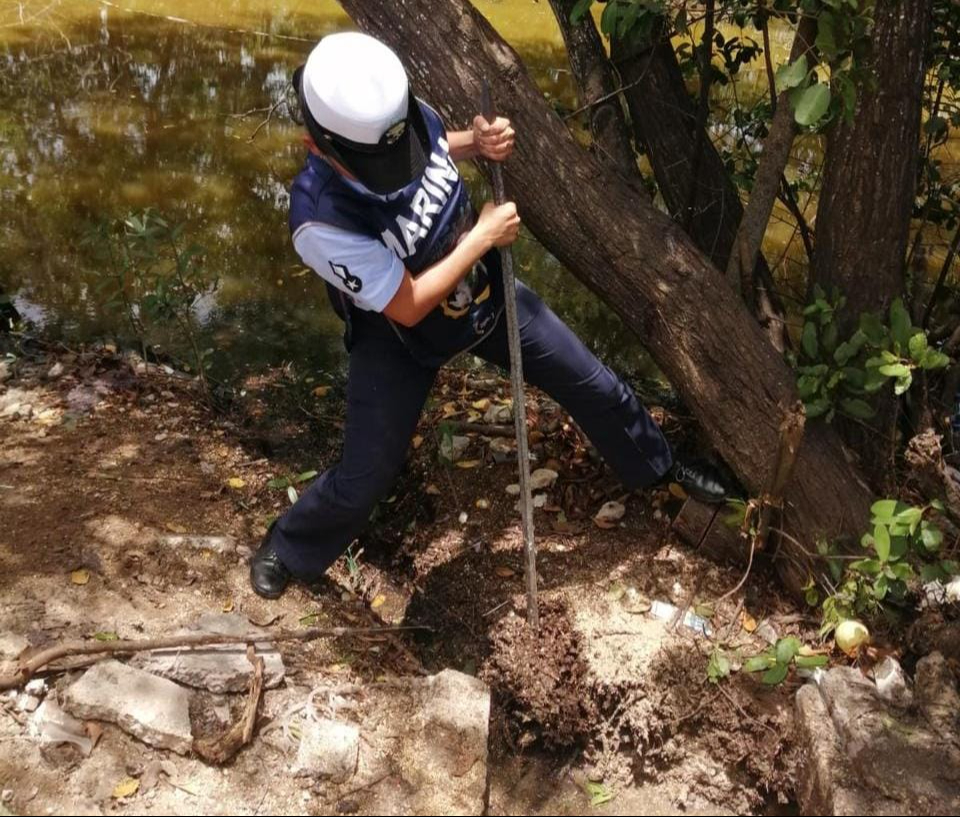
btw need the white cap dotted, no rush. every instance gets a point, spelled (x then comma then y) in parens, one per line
(355, 87)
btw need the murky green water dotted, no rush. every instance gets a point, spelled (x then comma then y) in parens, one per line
(109, 107)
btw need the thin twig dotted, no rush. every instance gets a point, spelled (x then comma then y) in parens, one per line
(28, 667)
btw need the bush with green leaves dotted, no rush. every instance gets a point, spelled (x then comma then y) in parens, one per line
(904, 548)
(153, 275)
(776, 661)
(835, 376)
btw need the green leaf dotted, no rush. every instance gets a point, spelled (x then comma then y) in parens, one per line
(787, 648)
(306, 475)
(292, 494)
(817, 408)
(104, 636)
(910, 517)
(935, 360)
(880, 587)
(869, 566)
(901, 571)
(930, 573)
(278, 482)
(598, 793)
(776, 674)
(873, 328)
(792, 75)
(759, 663)
(579, 10)
(901, 326)
(903, 383)
(894, 370)
(885, 509)
(858, 408)
(936, 504)
(931, 537)
(829, 338)
(718, 668)
(811, 104)
(881, 542)
(918, 347)
(809, 340)
(826, 40)
(811, 661)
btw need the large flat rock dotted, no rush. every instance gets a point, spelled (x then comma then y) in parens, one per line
(155, 710)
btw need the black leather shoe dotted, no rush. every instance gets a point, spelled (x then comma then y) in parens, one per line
(701, 480)
(268, 574)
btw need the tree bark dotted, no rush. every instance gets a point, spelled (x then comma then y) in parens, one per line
(773, 161)
(869, 180)
(664, 121)
(597, 86)
(637, 260)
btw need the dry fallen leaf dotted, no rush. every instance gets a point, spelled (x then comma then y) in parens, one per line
(174, 528)
(677, 491)
(228, 606)
(81, 576)
(505, 572)
(126, 788)
(378, 602)
(481, 405)
(417, 440)
(749, 622)
(449, 409)
(483, 504)
(609, 515)
(235, 482)
(432, 490)
(469, 463)
(321, 391)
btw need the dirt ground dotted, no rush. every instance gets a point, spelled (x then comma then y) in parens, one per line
(108, 466)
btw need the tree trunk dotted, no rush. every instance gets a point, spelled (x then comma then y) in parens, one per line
(870, 170)
(773, 161)
(863, 218)
(597, 85)
(664, 120)
(637, 260)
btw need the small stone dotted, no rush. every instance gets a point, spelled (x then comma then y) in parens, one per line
(453, 447)
(5, 373)
(539, 500)
(55, 371)
(155, 710)
(513, 490)
(463, 517)
(328, 748)
(498, 414)
(502, 449)
(768, 632)
(28, 703)
(543, 478)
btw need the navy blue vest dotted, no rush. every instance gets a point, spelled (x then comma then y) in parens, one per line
(421, 224)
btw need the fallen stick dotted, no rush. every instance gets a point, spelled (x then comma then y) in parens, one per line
(491, 430)
(220, 750)
(29, 666)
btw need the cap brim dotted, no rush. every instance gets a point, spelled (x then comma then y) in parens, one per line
(392, 169)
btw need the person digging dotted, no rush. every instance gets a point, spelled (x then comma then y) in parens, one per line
(381, 213)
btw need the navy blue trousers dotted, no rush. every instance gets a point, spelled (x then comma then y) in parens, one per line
(386, 390)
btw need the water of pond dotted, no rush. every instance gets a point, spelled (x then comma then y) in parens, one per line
(111, 107)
